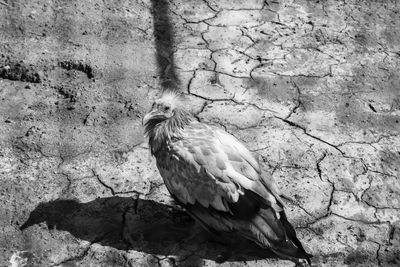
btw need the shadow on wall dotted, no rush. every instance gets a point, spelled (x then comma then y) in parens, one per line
(137, 224)
(164, 40)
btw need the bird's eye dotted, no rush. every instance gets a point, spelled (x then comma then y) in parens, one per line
(166, 108)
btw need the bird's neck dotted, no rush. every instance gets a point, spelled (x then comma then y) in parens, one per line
(161, 133)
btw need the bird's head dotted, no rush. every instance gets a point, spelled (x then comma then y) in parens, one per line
(166, 118)
(162, 109)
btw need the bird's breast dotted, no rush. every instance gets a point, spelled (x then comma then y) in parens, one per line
(168, 164)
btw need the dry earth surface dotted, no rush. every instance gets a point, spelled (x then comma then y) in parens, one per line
(313, 87)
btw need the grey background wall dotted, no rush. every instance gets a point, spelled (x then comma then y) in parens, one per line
(312, 86)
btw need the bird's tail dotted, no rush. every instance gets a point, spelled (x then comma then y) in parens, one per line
(278, 235)
(290, 232)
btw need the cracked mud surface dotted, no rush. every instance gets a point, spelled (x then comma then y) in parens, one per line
(311, 86)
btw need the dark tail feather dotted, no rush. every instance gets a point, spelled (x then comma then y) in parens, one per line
(278, 235)
(301, 253)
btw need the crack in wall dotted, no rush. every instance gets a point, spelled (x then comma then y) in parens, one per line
(108, 187)
(298, 101)
(310, 135)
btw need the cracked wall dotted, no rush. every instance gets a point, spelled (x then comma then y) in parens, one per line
(312, 87)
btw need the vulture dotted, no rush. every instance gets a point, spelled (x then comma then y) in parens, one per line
(217, 180)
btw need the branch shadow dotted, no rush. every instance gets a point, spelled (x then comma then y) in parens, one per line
(164, 40)
(135, 224)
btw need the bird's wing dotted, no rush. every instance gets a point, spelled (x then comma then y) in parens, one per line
(264, 179)
(213, 168)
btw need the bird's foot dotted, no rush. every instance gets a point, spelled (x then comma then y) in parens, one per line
(223, 257)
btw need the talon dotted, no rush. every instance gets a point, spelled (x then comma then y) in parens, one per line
(223, 257)
(220, 259)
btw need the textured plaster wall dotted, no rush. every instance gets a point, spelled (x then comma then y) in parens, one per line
(312, 86)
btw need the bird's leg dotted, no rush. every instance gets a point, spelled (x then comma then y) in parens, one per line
(197, 234)
(200, 235)
(232, 245)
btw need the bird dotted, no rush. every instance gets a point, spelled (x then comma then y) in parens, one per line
(217, 180)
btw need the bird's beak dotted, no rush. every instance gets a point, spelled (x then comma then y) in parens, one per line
(148, 116)
(153, 114)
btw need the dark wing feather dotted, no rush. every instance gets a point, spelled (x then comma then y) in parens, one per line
(222, 185)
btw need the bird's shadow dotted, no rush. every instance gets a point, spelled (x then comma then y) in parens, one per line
(136, 224)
